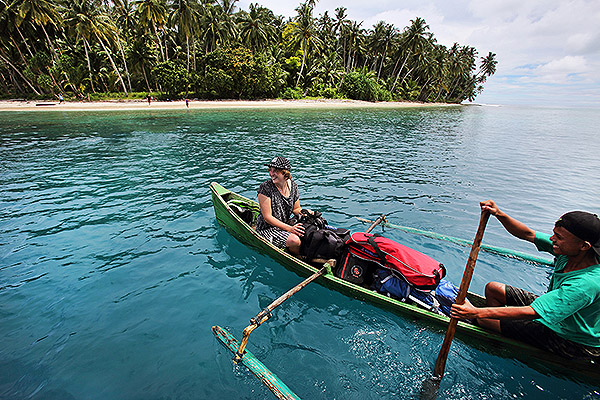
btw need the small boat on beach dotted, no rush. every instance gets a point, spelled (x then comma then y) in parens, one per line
(229, 207)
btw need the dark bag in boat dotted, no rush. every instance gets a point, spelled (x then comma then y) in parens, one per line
(307, 219)
(320, 240)
(417, 269)
(355, 269)
(322, 243)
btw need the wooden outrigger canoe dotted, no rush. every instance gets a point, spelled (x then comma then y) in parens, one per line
(486, 340)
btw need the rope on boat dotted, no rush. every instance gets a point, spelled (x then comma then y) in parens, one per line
(463, 242)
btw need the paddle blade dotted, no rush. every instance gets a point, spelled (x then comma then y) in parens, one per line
(430, 388)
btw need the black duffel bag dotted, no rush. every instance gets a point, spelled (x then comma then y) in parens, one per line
(320, 240)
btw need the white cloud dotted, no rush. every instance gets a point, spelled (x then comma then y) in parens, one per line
(563, 70)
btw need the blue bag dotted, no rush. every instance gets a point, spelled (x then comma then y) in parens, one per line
(387, 283)
(446, 294)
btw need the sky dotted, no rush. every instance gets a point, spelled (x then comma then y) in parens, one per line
(548, 51)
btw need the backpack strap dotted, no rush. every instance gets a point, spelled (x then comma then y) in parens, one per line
(380, 254)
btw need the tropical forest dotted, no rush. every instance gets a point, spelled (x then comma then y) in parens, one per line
(212, 49)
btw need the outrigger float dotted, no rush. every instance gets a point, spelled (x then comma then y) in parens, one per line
(227, 206)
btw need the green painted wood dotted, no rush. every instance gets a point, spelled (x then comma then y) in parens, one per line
(254, 365)
(482, 339)
(490, 249)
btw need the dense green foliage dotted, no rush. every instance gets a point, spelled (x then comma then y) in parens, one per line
(208, 49)
(362, 84)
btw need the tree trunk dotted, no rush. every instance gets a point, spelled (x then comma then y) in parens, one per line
(85, 46)
(301, 68)
(187, 46)
(145, 77)
(162, 52)
(50, 44)
(194, 52)
(423, 88)
(406, 76)
(19, 73)
(113, 65)
(19, 50)
(24, 41)
(399, 71)
(124, 62)
(382, 59)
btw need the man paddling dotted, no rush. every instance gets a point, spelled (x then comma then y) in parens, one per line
(566, 319)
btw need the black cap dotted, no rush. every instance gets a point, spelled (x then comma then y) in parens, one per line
(280, 162)
(584, 225)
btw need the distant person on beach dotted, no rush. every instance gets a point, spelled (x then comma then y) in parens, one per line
(566, 319)
(187, 103)
(149, 98)
(60, 99)
(278, 199)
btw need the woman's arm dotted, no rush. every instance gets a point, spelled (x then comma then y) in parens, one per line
(297, 210)
(267, 212)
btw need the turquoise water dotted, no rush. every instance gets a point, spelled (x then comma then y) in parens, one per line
(113, 267)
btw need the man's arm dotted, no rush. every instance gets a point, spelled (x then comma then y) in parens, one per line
(514, 227)
(468, 311)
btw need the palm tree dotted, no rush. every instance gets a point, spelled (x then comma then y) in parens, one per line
(354, 38)
(8, 26)
(143, 55)
(78, 19)
(214, 28)
(304, 34)
(89, 23)
(40, 13)
(379, 42)
(414, 39)
(7, 62)
(124, 14)
(185, 17)
(152, 14)
(228, 6)
(329, 67)
(488, 66)
(256, 29)
(124, 11)
(340, 24)
(462, 63)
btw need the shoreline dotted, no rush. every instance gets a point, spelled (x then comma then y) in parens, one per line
(132, 105)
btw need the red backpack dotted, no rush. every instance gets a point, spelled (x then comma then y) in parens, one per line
(365, 249)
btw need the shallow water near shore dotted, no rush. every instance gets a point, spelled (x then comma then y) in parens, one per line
(113, 267)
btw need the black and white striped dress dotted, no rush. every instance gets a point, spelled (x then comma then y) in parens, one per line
(281, 208)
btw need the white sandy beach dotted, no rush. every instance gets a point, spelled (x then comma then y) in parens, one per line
(129, 105)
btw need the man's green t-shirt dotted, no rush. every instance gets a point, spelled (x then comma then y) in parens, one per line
(571, 307)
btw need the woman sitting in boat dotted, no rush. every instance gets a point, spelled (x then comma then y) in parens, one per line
(278, 199)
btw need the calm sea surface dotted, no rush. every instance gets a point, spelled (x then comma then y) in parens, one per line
(113, 267)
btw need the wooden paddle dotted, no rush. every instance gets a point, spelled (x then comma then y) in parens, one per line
(430, 387)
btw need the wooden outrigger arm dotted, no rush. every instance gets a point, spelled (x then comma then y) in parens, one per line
(265, 314)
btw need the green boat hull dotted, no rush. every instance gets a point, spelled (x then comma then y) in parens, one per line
(485, 340)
